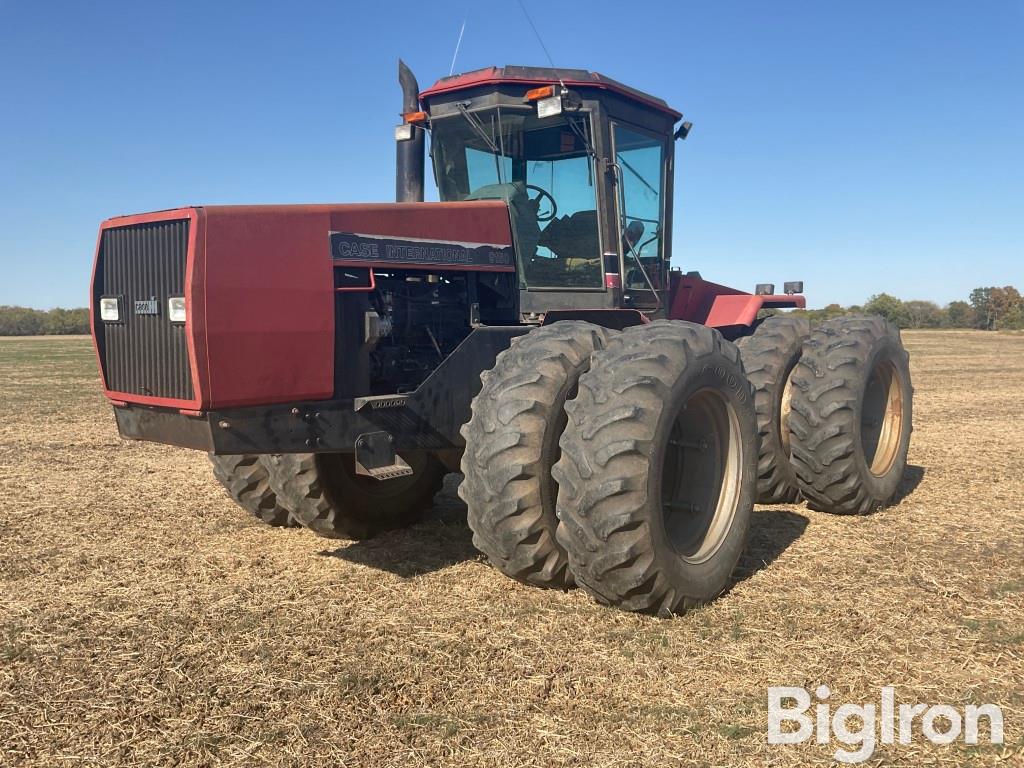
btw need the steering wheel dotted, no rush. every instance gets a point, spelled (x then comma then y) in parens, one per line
(542, 193)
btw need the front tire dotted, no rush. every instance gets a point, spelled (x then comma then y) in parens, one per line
(512, 444)
(851, 415)
(658, 469)
(328, 497)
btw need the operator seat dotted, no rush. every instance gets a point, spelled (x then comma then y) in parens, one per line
(574, 238)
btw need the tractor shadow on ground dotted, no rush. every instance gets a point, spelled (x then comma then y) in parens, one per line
(443, 539)
(772, 531)
(912, 477)
(440, 540)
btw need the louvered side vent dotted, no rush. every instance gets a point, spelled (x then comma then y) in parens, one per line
(143, 352)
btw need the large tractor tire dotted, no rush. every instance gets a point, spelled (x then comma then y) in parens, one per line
(328, 497)
(850, 418)
(247, 480)
(512, 444)
(658, 471)
(770, 355)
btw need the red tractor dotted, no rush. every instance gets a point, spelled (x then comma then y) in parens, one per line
(615, 420)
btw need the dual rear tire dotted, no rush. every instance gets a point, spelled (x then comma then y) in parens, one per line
(851, 415)
(621, 461)
(834, 411)
(657, 473)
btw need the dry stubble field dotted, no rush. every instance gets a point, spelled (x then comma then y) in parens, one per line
(145, 620)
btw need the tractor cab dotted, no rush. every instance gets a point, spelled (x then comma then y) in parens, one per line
(585, 165)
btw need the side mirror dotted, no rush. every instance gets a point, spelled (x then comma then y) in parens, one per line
(634, 231)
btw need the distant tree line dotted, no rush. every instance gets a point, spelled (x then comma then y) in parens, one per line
(986, 308)
(989, 309)
(22, 321)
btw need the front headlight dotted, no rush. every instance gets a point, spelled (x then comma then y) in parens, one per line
(176, 309)
(549, 107)
(110, 310)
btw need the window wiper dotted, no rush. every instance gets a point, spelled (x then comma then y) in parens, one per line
(636, 173)
(574, 124)
(478, 129)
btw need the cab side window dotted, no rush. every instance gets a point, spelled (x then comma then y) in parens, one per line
(639, 157)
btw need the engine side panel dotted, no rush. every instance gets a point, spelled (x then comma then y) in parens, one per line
(269, 305)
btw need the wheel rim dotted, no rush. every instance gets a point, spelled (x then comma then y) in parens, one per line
(701, 476)
(882, 416)
(785, 406)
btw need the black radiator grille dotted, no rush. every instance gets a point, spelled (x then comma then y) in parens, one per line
(144, 354)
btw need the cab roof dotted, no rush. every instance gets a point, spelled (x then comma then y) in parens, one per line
(535, 76)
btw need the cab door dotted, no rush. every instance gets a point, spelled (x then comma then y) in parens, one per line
(639, 171)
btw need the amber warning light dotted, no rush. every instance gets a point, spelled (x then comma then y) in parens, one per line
(534, 94)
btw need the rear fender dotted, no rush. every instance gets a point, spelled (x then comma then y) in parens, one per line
(718, 306)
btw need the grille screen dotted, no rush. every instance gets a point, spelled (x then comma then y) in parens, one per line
(144, 353)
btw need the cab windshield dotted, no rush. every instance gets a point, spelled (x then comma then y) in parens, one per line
(543, 169)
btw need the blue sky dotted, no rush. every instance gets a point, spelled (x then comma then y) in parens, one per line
(862, 147)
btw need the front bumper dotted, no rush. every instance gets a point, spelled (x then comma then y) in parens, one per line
(428, 419)
(320, 426)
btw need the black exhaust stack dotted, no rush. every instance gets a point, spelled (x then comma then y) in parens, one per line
(409, 152)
